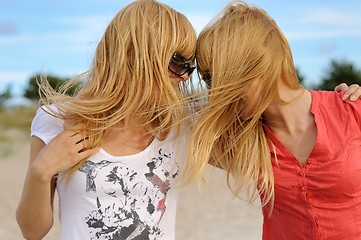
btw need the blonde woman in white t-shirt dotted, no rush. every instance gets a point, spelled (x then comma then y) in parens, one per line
(115, 164)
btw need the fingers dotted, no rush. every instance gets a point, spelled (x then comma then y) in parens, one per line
(352, 93)
(88, 153)
(341, 87)
(64, 151)
(80, 145)
(74, 137)
(73, 147)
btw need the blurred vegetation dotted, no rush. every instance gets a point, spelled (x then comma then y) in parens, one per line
(5, 96)
(32, 89)
(300, 76)
(17, 117)
(339, 72)
(20, 117)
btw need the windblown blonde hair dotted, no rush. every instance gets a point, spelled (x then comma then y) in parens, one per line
(241, 45)
(129, 76)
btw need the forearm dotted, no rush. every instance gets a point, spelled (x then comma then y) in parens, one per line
(35, 210)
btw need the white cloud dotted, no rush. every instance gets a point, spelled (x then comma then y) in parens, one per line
(17, 80)
(13, 76)
(8, 28)
(81, 29)
(306, 33)
(93, 20)
(332, 18)
(326, 48)
(322, 23)
(78, 35)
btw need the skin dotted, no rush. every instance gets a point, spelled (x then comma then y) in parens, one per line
(251, 97)
(63, 152)
(36, 204)
(353, 92)
(175, 80)
(294, 124)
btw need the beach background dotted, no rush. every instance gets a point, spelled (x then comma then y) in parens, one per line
(205, 212)
(61, 38)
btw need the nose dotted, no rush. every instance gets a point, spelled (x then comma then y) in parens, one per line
(185, 77)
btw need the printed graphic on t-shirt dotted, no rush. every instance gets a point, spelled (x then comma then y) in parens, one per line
(139, 198)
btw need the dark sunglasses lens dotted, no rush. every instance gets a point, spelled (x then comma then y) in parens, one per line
(179, 65)
(207, 79)
(190, 70)
(177, 58)
(177, 68)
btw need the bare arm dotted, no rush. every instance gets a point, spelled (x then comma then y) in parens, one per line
(36, 204)
(35, 210)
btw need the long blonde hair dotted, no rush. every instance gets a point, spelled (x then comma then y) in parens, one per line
(240, 46)
(129, 75)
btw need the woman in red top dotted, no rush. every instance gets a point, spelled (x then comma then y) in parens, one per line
(302, 148)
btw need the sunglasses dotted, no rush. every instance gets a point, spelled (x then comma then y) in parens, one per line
(179, 65)
(207, 79)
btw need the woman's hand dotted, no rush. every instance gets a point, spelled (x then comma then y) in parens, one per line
(63, 152)
(35, 210)
(353, 92)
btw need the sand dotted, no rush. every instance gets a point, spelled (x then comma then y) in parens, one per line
(208, 212)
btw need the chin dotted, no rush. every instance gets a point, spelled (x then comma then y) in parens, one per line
(247, 115)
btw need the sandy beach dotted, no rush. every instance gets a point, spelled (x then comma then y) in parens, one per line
(204, 213)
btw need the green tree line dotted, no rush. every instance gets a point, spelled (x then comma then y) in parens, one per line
(339, 71)
(32, 89)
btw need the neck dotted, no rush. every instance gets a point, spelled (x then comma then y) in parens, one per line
(126, 139)
(289, 118)
(131, 127)
(128, 127)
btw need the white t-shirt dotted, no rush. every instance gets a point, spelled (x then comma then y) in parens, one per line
(119, 197)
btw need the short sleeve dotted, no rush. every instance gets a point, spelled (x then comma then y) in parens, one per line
(46, 126)
(356, 110)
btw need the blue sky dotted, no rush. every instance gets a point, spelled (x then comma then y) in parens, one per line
(60, 36)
